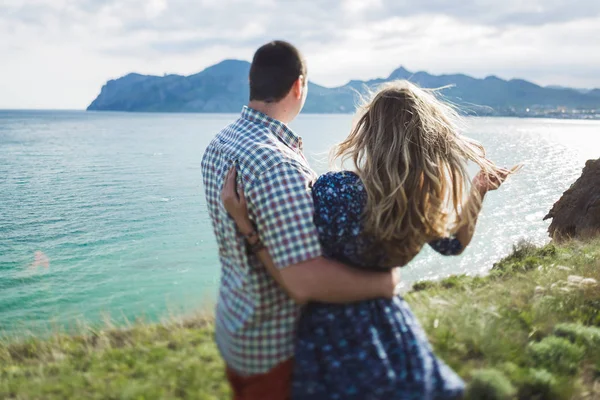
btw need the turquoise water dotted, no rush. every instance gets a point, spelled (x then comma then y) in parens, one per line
(115, 203)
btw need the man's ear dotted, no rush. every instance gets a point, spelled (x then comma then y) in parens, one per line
(298, 87)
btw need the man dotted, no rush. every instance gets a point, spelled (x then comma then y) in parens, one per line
(255, 316)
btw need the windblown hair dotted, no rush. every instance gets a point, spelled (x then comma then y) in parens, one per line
(408, 152)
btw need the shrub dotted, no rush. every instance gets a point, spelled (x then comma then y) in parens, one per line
(455, 281)
(588, 336)
(423, 285)
(539, 384)
(489, 384)
(524, 257)
(557, 355)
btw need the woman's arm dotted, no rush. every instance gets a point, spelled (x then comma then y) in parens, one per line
(464, 234)
(482, 183)
(246, 228)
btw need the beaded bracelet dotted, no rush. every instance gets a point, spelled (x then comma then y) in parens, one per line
(250, 235)
(257, 245)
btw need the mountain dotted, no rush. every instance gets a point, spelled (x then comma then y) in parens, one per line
(219, 88)
(594, 92)
(564, 87)
(223, 88)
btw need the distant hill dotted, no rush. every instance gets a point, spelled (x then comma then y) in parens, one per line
(595, 92)
(564, 87)
(223, 88)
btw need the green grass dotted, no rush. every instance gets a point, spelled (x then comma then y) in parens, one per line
(525, 331)
(526, 325)
(162, 361)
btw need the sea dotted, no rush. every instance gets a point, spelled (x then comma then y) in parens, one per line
(103, 217)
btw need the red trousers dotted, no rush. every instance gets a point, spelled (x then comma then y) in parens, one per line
(273, 385)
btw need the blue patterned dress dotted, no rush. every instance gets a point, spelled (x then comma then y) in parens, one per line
(369, 350)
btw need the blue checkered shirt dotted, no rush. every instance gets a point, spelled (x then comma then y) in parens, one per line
(255, 318)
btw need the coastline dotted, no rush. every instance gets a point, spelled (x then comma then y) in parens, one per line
(565, 116)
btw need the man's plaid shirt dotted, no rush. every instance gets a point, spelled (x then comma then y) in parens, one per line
(255, 319)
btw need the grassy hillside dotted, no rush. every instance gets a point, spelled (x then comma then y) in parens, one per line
(529, 330)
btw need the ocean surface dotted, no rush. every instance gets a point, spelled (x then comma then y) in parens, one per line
(102, 215)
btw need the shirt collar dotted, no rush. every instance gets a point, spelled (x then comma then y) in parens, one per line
(281, 130)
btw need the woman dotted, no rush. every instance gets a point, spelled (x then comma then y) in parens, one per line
(409, 186)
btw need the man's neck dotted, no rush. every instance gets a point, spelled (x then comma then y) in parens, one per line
(274, 110)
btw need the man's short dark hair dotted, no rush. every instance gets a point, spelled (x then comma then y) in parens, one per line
(275, 68)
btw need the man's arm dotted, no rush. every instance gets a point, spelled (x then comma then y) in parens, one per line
(328, 281)
(320, 279)
(284, 217)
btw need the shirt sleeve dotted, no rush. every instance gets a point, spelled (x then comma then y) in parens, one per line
(447, 246)
(282, 205)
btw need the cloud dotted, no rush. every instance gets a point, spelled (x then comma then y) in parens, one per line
(58, 53)
(499, 13)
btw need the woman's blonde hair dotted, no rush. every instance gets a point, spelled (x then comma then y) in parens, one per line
(408, 152)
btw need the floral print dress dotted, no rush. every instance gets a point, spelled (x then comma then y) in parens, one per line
(368, 350)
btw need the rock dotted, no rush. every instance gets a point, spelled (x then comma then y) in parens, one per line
(588, 282)
(563, 268)
(539, 290)
(436, 301)
(581, 282)
(577, 213)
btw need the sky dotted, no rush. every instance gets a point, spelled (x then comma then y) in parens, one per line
(57, 54)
